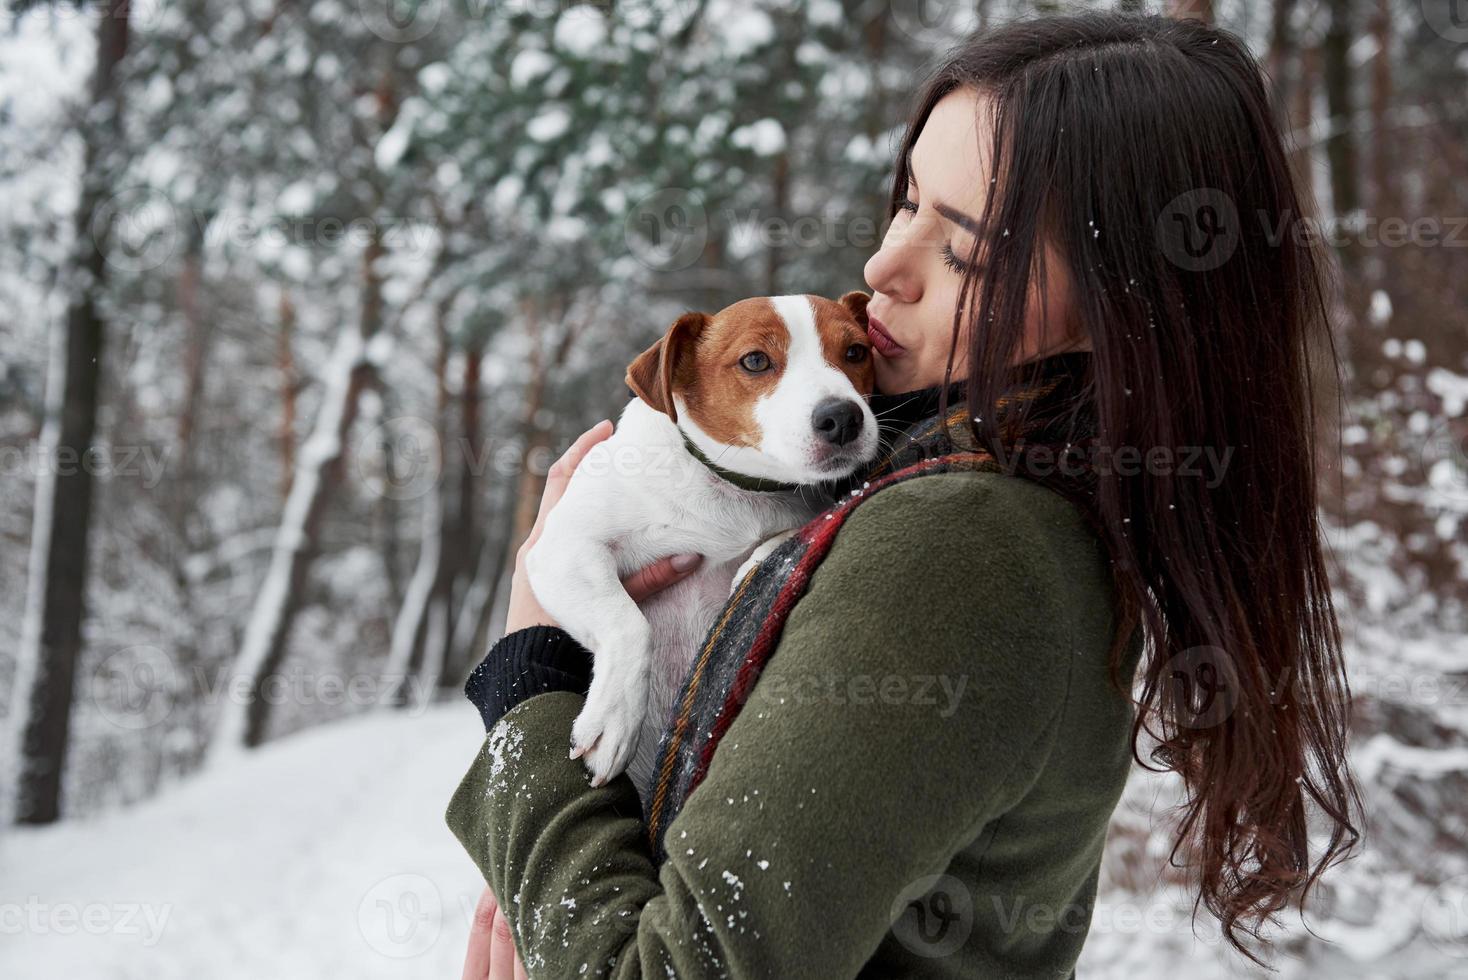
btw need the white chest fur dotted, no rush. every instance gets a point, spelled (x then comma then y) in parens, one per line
(637, 497)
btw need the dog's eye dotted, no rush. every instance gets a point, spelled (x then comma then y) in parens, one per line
(755, 362)
(856, 353)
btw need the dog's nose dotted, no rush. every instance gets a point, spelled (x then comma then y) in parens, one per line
(837, 420)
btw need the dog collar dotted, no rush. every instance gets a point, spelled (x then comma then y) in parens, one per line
(740, 480)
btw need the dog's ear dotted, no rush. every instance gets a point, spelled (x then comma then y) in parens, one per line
(856, 302)
(652, 374)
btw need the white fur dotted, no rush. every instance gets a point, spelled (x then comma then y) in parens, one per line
(638, 497)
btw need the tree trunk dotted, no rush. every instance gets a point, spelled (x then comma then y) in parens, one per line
(1340, 146)
(244, 714)
(1282, 61)
(469, 566)
(475, 611)
(407, 627)
(197, 335)
(1302, 117)
(1383, 140)
(56, 599)
(779, 203)
(285, 362)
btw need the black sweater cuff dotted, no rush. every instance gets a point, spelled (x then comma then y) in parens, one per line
(523, 664)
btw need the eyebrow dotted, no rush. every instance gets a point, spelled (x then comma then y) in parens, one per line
(956, 216)
(965, 221)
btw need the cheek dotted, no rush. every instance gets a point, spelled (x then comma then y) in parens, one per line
(940, 298)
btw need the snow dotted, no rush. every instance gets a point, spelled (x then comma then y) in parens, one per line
(742, 28)
(548, 125)
(581, 30)
(322, 854)
(765, 138)
(529, 65)
(1385, 751)
(1381, 307)
(394, 143)
(1451, 388)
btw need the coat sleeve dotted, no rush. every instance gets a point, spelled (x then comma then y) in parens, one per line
(912, 699)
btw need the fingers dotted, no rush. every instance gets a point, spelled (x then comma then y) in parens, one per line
(559, 475)
(502, 948)
(477, 959)
(520, 973)
(659, 575)
(560, 472)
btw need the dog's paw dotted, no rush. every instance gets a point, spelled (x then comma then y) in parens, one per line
(759, 554)
(604, 735)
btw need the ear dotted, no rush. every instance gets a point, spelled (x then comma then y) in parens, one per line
(856, 302)
(651, 375)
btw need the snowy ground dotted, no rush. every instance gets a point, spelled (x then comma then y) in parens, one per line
(322, 855)
(325, 854)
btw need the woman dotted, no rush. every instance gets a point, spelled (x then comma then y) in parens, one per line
(1085, 230)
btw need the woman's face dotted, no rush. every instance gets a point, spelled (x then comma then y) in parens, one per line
(916, 274)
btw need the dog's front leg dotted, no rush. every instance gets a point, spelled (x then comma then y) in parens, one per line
(576, 581)
(760, 553)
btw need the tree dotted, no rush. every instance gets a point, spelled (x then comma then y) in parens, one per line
(60, 530)
(243, 715)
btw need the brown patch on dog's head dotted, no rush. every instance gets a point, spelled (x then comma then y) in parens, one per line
(702, 359)
(722, 394)
(842, 325)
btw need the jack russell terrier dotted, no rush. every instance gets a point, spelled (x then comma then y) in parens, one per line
(739, 417)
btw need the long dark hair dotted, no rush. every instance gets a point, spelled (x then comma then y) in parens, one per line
(1145, 151)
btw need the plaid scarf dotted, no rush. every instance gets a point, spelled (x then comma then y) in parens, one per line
(1056, 414)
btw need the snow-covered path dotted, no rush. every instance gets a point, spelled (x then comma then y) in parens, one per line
(324, 854)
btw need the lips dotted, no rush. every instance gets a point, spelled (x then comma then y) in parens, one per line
(881, 339)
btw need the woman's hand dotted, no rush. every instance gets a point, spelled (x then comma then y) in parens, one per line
(492, 954)
(492, 951)
(524, 609)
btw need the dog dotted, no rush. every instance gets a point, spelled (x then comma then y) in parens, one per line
(739, 418)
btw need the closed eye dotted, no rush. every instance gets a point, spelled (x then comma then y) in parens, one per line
(955, 263)
(950, 258)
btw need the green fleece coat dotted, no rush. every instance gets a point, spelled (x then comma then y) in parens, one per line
(919, 785)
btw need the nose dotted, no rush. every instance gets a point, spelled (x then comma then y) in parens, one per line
(837, 420)
(894, 270)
